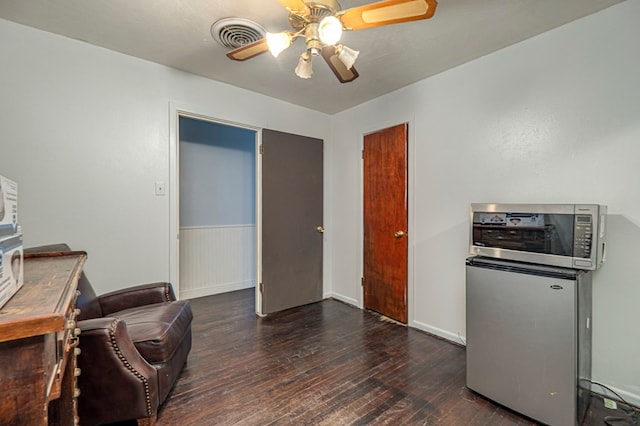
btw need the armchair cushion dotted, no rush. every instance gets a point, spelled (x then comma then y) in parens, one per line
(157, 330)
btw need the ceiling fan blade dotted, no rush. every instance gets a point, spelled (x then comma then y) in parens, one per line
(248, 51)
(387, 12)
(339, 69)
(297, 5)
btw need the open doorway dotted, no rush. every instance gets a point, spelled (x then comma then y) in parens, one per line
(217, 207)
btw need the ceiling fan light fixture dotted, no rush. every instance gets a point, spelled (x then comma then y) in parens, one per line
(330, 30)
(347, 56)
(304, 68)
(278, 42)
(321, 23)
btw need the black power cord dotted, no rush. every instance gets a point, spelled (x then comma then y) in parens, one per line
(630, 416)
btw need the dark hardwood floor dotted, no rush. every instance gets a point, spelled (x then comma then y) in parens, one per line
(324, 364)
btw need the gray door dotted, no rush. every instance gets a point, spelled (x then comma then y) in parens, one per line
(291, 220)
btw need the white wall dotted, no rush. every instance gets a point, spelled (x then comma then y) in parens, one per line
(85, 133)
(555, 119)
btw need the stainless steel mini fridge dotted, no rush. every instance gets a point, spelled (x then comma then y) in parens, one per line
(529, 337)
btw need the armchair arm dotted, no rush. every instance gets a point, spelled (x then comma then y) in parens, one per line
(132, 297)
(115, 383)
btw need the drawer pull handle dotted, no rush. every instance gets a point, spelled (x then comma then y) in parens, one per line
(77, 351)
(76, 392)
(77, 372)
(73, 343)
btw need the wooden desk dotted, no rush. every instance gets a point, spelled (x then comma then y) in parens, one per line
(38, 343)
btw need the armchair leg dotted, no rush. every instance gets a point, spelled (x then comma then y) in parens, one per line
(148, 421)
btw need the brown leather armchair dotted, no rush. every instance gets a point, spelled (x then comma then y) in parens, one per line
(134, 344)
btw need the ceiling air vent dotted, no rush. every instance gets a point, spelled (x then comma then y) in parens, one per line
(236, 32)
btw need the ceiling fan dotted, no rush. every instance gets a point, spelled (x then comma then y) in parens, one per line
(321, 22)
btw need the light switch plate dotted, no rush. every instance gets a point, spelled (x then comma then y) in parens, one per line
(160, 188)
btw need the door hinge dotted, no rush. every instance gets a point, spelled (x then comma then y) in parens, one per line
(363, 154)
(261, 287)
(362, 281)
(261, 149)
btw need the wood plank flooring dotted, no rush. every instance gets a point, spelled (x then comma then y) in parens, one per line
(323, 364)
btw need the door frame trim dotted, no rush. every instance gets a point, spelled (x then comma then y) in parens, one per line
(177, 110)
(410, 122)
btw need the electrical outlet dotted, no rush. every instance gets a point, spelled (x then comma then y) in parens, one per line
(160, 188)
(611, 404)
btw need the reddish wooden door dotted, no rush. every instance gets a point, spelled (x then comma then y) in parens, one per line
(385, 159)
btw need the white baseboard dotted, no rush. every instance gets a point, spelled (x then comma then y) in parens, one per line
(347, 300)
(216, 289)
(447, 335)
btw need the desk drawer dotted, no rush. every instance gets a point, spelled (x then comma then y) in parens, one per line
(66, 343)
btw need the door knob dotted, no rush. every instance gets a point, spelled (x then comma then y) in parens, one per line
(399, 234)
(320, 229)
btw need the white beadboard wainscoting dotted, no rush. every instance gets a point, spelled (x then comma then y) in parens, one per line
(216, 259)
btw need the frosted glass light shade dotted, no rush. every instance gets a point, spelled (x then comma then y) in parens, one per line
(304, 68)
(330, 30)
(278, 42)
(348, 56)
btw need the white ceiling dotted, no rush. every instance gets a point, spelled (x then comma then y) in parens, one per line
(176, 33)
